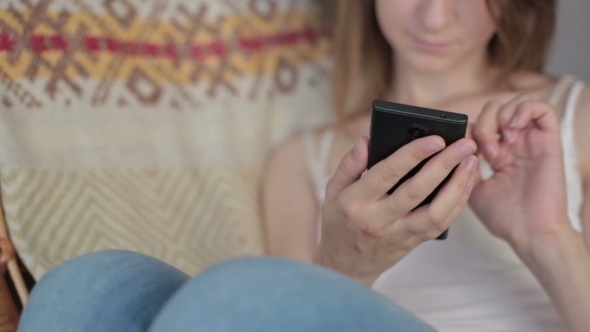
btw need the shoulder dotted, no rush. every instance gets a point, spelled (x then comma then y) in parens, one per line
(288, 155)
(531, 82)
(535, 85)
(294, 153)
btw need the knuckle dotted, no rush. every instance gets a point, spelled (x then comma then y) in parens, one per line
(389, 175)
(448, 164)
(350, 209)
(415, 195)
(528, 105)
(479, 130)
(492, 104)
(438, 229)
(375, 229)
(436, 220)
(505, 114)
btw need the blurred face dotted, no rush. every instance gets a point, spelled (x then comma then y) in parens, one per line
(434, 36)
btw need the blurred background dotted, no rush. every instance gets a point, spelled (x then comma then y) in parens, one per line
(571, 45)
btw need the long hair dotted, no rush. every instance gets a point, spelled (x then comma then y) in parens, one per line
(363, 59)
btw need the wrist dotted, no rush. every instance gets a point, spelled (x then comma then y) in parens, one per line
(561, 263)
(549, 248)
(330, 261)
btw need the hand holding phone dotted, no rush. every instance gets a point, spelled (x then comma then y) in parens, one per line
(395, 125)
(367, 228)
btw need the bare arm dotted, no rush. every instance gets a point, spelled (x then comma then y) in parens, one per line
(562, 265)
(290, 207)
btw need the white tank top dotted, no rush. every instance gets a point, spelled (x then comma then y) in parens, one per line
(473, 281)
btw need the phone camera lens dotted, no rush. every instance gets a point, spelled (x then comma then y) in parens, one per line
(416, 132)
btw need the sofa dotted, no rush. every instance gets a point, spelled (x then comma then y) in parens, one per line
(146, 125)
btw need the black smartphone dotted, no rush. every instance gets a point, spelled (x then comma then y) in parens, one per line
(394, 125)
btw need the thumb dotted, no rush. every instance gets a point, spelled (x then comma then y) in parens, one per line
(350, 169)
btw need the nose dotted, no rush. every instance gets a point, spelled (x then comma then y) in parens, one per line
(436, 14)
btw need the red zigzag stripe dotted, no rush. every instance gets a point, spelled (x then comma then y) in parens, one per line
(219, 48)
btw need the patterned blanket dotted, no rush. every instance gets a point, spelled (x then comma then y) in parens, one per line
(145, 124)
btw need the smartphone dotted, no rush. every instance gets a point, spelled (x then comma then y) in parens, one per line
(394, 125)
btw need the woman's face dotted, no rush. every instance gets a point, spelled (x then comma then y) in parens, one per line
(433, 36)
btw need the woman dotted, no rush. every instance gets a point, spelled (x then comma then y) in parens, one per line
(483, 59)
(457, 55)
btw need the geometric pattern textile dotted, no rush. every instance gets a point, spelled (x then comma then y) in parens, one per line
(145, 124)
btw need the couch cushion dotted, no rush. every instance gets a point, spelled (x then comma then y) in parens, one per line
(145, 125)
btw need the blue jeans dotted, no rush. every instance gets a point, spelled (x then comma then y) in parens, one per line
(125, 291)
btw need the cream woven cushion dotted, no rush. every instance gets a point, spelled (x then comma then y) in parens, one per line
(145, 125)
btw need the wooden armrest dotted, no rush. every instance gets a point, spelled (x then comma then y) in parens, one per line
(9, 315)
(8, 260)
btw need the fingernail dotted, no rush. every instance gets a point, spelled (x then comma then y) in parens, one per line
(490, 150)
(508, 135)
(466, 150)
(470, 164)
(358, 148)
(435, 147)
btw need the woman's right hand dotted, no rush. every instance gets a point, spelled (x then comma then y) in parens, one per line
(365, 231)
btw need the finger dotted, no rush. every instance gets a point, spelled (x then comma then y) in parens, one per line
(384, 175)
(350, 168)
(540, 113)
(414, 191)
(456, 210)
(485, 130)
(506, 114)
(431, 220)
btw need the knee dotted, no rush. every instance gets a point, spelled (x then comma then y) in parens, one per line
(114, 283)
(275, 293)
(98, 275)
(270, 275)
(88, 267)
(269, 270)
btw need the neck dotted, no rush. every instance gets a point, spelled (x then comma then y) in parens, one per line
(431, 89)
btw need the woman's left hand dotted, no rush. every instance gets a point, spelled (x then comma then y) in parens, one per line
(525, 198)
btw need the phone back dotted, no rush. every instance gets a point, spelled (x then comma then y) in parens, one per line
(395, 125)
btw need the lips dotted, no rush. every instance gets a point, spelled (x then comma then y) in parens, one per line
(430, 47)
